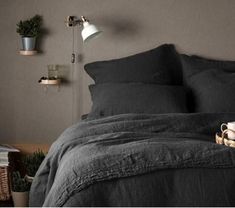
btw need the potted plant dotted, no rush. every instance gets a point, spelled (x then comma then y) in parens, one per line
(29, 30)
(20, 190)
(32, 163)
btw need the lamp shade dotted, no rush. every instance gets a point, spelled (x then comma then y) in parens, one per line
(89, 31)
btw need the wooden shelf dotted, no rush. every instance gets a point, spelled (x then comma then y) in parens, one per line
(28, 53)
(50, 81)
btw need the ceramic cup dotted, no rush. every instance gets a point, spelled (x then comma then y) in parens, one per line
(229, 129)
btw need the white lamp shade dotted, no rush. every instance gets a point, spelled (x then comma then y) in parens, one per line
(89, 31)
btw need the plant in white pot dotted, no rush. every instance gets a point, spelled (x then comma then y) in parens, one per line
(32, 162)
(20, 190)
(29, 30)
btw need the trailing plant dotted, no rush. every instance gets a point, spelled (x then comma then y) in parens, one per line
(30, 27)
(19, 184)
(33, 161)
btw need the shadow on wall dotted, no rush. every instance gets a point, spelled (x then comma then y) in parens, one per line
(120, 27)
(41, 39)
(64, 73)
(80, 58)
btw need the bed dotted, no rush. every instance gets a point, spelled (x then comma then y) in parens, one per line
(149, 138)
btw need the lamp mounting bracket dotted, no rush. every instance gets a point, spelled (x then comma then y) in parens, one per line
(72, 21)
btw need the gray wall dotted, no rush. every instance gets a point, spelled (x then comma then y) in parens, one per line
(29, 115)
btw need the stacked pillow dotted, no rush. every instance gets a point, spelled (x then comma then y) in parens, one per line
(148, 82)
(157, 66)
(161, 81)
(118, 98)
(210, 83)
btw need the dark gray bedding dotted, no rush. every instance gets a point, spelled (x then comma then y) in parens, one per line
(127, 145)
(167, 187)
(114, 99)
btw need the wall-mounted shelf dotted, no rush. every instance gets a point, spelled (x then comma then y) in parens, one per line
(28, 53)
(50, 81)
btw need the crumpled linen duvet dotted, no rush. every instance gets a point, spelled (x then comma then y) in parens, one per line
(127, 145)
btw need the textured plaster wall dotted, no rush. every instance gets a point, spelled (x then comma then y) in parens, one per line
(28, 114)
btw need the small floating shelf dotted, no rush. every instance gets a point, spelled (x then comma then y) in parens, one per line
(50, 81)
(28, 53)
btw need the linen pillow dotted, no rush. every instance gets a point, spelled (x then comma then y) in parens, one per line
(211, 84)
(192, 65)
(160, 65)
(112, 99)
(213, 91)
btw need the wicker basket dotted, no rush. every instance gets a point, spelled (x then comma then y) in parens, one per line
(222, 139)
(5, 190)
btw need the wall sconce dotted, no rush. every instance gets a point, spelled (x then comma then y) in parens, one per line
(88, 32)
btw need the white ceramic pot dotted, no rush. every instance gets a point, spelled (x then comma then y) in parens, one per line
(20, 199)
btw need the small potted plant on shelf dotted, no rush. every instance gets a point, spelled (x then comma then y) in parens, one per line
(29, 30)
(20, 190)
(32, 163)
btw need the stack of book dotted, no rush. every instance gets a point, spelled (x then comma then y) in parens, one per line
(5, 150)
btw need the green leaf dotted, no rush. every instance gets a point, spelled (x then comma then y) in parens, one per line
(30, 27)
(33, 161)
(19, 184)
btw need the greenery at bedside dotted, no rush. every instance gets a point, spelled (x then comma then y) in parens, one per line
(32, 162)
(19, 184)
(30, 27)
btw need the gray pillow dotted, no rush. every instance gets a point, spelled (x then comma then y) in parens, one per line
(191, 65)
(112, 99)
(210, 84)
(213, 90)
(160, 66)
